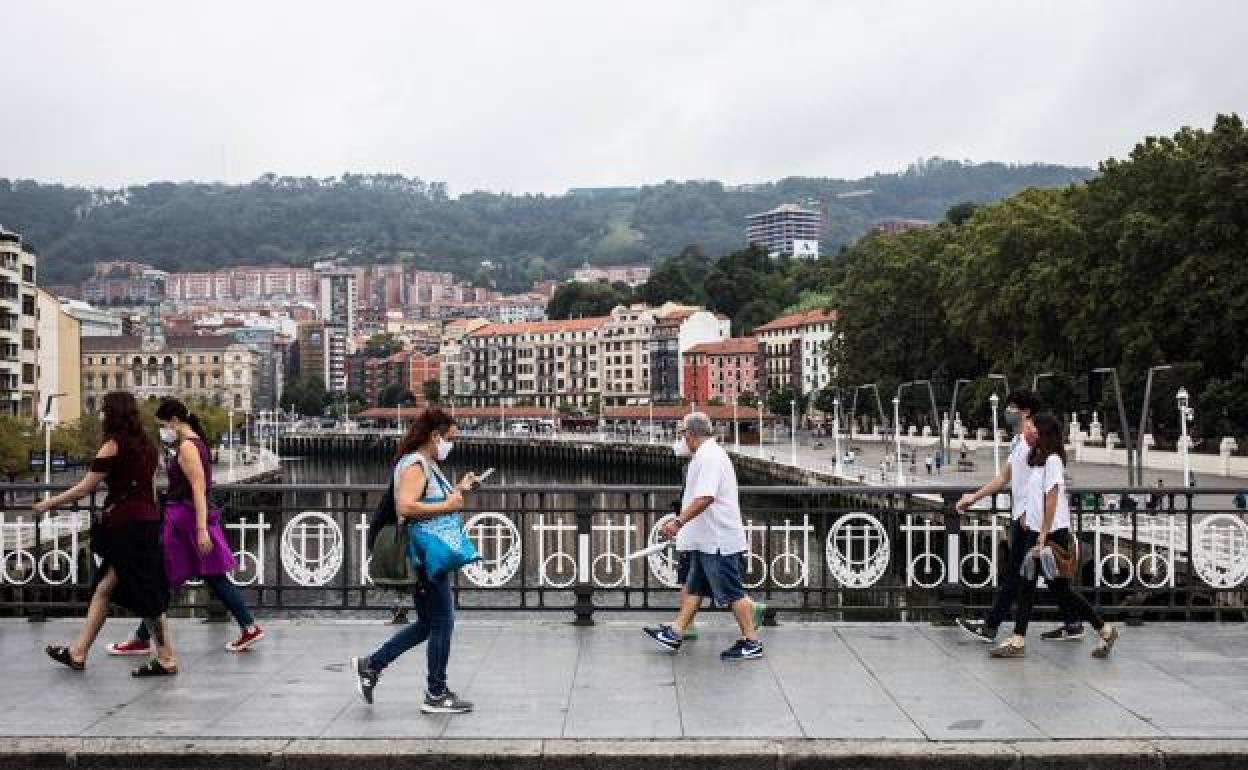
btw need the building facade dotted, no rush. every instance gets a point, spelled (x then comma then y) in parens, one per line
(626, 356)
(721, 371)
(633, 275)
(59, 369)
(787, 230)
(18, 326)
(794, 352)
(211, 368)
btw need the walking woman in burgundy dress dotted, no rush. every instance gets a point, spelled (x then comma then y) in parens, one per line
(126, 537)
(194, 541)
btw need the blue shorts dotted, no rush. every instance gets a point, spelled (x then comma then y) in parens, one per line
(683, 558)
(715, 575)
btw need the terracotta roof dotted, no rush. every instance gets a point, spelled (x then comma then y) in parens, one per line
(732, 345)
(541, 327)
(795, 320)
(661, 412)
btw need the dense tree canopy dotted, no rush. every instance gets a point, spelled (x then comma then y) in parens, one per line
(387, 217)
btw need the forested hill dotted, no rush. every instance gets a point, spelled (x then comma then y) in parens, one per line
(288, 220)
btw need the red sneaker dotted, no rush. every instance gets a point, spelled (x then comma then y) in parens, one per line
(246, 640)
(130, 647)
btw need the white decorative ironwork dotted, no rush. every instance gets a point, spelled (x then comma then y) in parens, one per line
(499, 545)
(1117, 528)
(788, 561)
(312, 549)
(610, 557)
(249, 562)
(967, 564)
(932, 563)
(17, 564)
(755, 556)
(663, 564)
(559, 559)
(1220, 550)
(65, 525)
(857, 550)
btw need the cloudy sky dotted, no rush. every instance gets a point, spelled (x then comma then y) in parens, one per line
(539, 96)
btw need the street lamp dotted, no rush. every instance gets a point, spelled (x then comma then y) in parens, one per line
(793, 425)
(650, 407)
(953, 409)
(1148, 391)
(230, 433)
(760, 427)
(836, 432)
(736, 430)
(1185, 414)
(1035, 381)
(901, 479)
(993, 400)
(47, 443)
(1132, 479)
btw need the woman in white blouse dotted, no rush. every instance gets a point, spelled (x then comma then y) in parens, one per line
(1048, 523)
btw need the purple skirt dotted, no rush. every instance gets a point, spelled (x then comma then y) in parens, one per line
(183, 561)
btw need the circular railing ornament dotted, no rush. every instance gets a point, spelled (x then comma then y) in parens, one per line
(499, 545)
(312, 549)
(857, 550)
(1220, 550)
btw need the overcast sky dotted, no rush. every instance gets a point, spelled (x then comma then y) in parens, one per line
(539, 96)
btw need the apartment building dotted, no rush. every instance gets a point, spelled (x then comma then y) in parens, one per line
(18, 326)
(794, 350)
(59, 369)
(722, 371)
(538, 363)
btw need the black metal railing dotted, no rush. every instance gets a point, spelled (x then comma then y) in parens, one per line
(856, 553)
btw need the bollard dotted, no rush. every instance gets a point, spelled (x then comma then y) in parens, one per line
(951, 592)
(584, 591)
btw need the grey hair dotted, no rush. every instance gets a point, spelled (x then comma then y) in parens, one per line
(698, 424)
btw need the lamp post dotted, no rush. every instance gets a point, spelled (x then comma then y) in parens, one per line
(793, 426)
(1035, 381)
(953, 410)
(1132, 450)
(230, 433)
(901, 478)
(650, 408)
(47, 443)
(1185, 414)
(1148, 392)
(736, 430)
(994, 400)
(1004, 381)
(836, 432)
(760, 428)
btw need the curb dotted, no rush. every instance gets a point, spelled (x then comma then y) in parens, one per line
(471, 754)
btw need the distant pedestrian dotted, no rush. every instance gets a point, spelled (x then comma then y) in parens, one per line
(422, 493)
(939, 460)
(1048, 522)
(709, 527)
(927, 461)
(193, 538)
(126, 538)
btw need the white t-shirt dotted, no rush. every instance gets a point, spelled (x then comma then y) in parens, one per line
(1053, 474)
(1020, 475)
(718, 529)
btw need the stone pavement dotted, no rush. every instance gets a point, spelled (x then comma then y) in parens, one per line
(535, 677)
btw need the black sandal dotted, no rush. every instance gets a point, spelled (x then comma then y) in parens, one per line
(153, 668)
(61, 655)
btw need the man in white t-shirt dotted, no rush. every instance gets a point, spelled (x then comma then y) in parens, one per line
(710, 529)
(1021, 407)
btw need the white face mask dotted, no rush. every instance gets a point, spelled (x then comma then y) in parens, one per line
(444, 448)
(681, 448)
(168, 435)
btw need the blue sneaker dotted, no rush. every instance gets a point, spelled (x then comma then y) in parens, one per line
(665, 637)
(743, 649)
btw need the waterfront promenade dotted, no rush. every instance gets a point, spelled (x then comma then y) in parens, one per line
(910, 692)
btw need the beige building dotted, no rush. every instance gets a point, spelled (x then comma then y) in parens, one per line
(59, 369)
(536, 363)
(626, 356)
(210, 368)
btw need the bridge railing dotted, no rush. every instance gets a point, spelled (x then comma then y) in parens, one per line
(823, 552)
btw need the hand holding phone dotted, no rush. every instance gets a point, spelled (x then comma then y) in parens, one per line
(481, 479)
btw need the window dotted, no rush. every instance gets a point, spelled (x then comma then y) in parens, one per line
(28, 374)
(28, 304)
(89, 379)
(189, 380)
(28, 273)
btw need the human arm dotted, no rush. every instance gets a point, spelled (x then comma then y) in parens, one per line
(695, 508)
(84, 487)
(411, 488)
(193, 468)
(995, 485)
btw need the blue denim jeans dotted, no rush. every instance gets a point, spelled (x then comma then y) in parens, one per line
(435, 622)
(228, 594)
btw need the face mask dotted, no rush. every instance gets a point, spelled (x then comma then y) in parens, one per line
(444, 448)
(1013, 420)
(168, 435)
(681, 448)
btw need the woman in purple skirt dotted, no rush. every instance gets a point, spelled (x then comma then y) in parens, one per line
(194, 541)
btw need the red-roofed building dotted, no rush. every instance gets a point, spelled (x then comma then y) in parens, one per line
(721, 370)
(795, 351)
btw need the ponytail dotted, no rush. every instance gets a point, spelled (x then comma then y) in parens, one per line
(171, 408)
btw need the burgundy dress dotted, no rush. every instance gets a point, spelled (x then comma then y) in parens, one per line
(183, 559)
(127, 535)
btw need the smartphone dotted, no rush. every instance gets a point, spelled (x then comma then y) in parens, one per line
(485, 475)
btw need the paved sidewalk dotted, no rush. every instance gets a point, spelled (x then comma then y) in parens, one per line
(539, 678)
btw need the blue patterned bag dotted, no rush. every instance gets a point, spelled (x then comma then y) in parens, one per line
(440, 544)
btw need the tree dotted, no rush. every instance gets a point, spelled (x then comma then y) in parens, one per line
(825, 400)
(17, 440)
(960, 212)
(780, 402)
(381, 345)
(584, 300)
(392, 395)
(305, 395)
(432, 391)
(747, 399)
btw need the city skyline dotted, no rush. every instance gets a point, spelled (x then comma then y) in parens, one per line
(835, 95)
